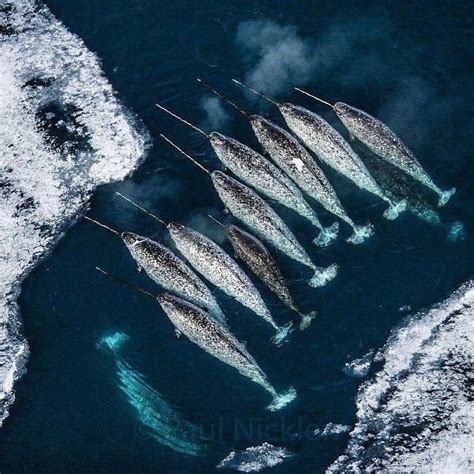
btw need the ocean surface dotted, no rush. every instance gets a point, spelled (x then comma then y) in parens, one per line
(102, 384)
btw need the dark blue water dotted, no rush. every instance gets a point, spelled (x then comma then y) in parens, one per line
(405, 63)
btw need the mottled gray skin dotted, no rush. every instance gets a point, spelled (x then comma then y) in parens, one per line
(171, 273)
(331, 148)
(217, 341)
(251, 251)
(220, 269)
(383, 142)
(262, 175)
(288, 153)
(255, 213)
(260, 261)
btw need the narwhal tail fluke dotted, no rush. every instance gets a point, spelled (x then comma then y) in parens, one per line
(361, 233)
(280, 400)
(307, 319)
(282, 333)
(445, 196)
(327, 235)
(395, 209)
(323, 275)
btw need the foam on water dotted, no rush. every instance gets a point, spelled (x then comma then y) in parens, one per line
(332, 429)
(255, 458)
(157, 418)
(416, 414)
(62, 133)
(359, 367)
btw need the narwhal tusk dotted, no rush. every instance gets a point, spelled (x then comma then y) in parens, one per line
(216, 220)
(185, 154)
(274, 102)
(125, 282)
(102, 225)
(146, 211)
(223, 98)
(314, 97)
(182, 120)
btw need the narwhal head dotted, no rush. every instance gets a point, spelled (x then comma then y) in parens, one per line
(260, 125)
(141, 248)
(223, 182)
(130, 239)
(176, 229)
(217, 140)
(344, 110)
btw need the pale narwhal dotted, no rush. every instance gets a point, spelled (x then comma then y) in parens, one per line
(247, 206)
(288, 153)
(168, 271)
(383, 142)
(261, 262)
(330, 147)
(218, 267)
(201, 329)
(265, 177)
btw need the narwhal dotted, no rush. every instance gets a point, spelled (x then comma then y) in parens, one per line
(288, 153)
(218, 267)
(252, 168)
(330, 147)
(255, 213)
(256, 256)
(168, 270)
(201, 329)
(383, 142)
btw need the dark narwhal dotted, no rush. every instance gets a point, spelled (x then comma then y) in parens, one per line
(260, 261)
(383, 142)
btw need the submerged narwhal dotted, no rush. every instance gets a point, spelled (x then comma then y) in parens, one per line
(288, 153)
(383, 142)
(329, 145)
(218, 267)
(201, 329)
(255, 213)
(260, 261)
(168, 270)
(265, 177)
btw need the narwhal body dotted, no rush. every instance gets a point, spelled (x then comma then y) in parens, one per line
(266, 178)
(383, 142)
(202, 330)
(217, 266)
(288, 153)
(171, 273)
(333, 149)
(260, 261)
(254, 212)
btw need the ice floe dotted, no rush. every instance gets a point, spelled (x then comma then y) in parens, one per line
(62, 133)
(416, 414)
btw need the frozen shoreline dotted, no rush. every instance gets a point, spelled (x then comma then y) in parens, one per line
(63, 133)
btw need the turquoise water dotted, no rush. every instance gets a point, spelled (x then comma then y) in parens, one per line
(406, 64)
